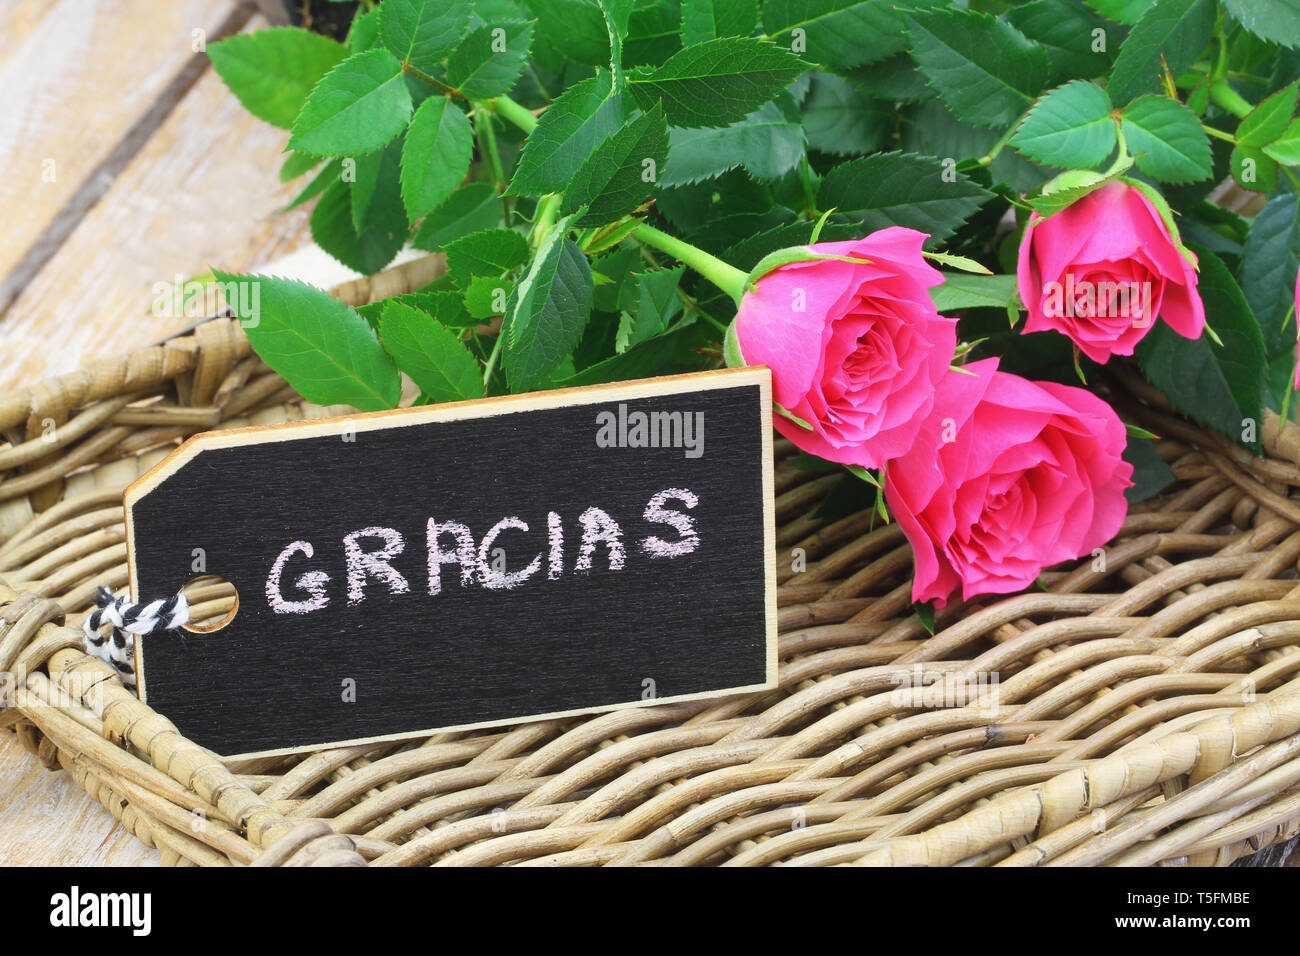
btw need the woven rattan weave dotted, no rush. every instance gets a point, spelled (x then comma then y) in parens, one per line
(1143, 708)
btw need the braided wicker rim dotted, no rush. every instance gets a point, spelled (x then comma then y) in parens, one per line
(1143, 709)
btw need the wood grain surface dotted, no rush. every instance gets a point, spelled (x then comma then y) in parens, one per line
(77, 76)
(158, 171)
(202, 191)
(46, 819)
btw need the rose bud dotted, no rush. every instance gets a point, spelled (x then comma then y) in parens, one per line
(1104, 269)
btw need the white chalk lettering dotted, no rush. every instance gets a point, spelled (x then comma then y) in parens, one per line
(498, 580)
(313, 582)
(656, 513)
(368, 564)
(371, 555)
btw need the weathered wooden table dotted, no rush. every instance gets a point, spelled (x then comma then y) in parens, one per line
(124, 163)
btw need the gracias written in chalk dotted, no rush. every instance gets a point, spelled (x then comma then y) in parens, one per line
(369, 552)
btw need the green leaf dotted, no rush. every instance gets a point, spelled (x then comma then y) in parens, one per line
(1071, 186)
(934, 131)
(486, 296)
(731, 353)
(654, 33)
(902, 189)
(490, 59)
(357, 107)
(657, 305)
(1121, 11)
(1065, 32)
(1286, 148)
(439, 147)
(272, 71)
(472, 208)
(622, 171)
(575, 27)
(433, 355)
(983, 68)
(964, 291)
(842, 33)
(768, 142)
(842, 119)
(961, 263)
(1269, 120)
(548, 312)
(601, 239)
(327, 174)
(1167, 140)
(896, 78)
(367, 250)
(1216, 386)
(655, 357)
(709, 19)
(1069, 127)
(376, 191)
(423, 32)
(1175, 31)
(717, 82)
(616, 13)
(446, 307)
(490, 253)
(1276, 20)
(364, 33)
(297, 164)
(321, 347)
(1151, 474)
(1253, 169)
(568, 132)
(1268, 271)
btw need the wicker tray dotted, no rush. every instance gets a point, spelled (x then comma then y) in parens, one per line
(1144, 713)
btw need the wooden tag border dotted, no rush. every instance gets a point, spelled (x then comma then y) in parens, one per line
(484, 408)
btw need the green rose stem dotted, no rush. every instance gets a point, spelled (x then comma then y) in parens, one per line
(992, 154)
(726, 277)
(487, 139)
(515, 113)
(421, 75)
(520, 115)
(496, 354)
(1225, 96)
(548, 210)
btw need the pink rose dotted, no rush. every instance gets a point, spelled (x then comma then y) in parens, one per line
(855, 348)
(1007, 477)
(1103, 269)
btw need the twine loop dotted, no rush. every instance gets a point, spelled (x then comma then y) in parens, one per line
(127, 619)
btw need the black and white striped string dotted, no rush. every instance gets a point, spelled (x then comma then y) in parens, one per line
(124, 620)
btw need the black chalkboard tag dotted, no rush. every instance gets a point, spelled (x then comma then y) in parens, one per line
(464, 565)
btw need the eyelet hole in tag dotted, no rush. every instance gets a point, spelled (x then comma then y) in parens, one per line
(213, 603)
